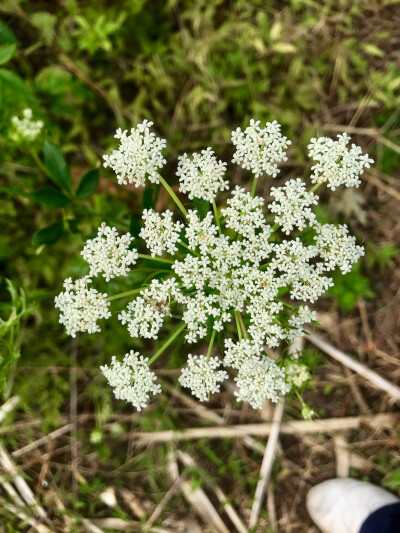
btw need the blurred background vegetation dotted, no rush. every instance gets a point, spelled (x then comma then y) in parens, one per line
(197, 70)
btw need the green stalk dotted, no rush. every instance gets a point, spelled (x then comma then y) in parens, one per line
(316, 186)
(159, 259)
(254, 187)
(238, 327)
(123, 294)
(39, 162)
(169, 341)
(189, 249)
(173, 195)
(239, 317)
(211, 344)
(217, 216)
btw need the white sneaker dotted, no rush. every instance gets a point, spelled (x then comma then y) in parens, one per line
(342, 505)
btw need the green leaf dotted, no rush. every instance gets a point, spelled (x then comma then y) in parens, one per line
(134, 227)
(48, 235)
(56, 165)
(6, 35)
(6, 52)
(50, 197)
(88, 184)
(202, 207)
(372, 49)
(14, 83)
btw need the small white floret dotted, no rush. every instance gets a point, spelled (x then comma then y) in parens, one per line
(202, 377)
(132, 379)
(138, 157)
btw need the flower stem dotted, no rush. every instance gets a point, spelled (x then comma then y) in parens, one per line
(238, 327)
(39, 162)
(123, 294)
(217, 217)
(159, 259)
(169, 341)
(239, 316)
(316, 186)
(173, 195)
(254, 187)
(189, 249)
(211, 344)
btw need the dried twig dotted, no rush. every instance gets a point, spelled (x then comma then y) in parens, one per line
(133, 503)
(381, 383)
(208, 414)
(41, 528)
(8, 406)
(187, 460)
(20, 483)
(292, 427)
(197, 499)
(43, 440)
(266, 467)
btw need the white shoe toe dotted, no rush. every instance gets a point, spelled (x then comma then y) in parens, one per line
(342, 505)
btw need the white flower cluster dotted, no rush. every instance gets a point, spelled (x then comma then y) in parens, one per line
(244, 213)
(260, 149)
(259, 379)
(81, 307)
(201, 234)
(159, 232)
(336, 247)
(131, 379)
(201, 376)
(303, 315)
(297, 374)
(145, 315)
(202, 176)
(292, 206)
(138, 157)
(226, 265)
(109, 254)
(25, 129)
(307, 280)
(236, 353)
(336, 164)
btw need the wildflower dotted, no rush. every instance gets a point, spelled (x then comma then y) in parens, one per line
(25, 129)
(223, 265)
(159, 232)
(244, 213)
(202, 176)
(138, 157)
(291, 206)
(81, 307)
(336, 247)
(260, 379)
(336, 164)
(201, 233)
(303, 315)
(297, 374)
(237, 353)
(109, 254)
(145, 315)
(131, 379)
(201, 376)
(259, 150)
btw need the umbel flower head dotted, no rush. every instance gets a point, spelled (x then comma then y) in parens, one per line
(235, 272)
(132, 380)
(25, 129)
